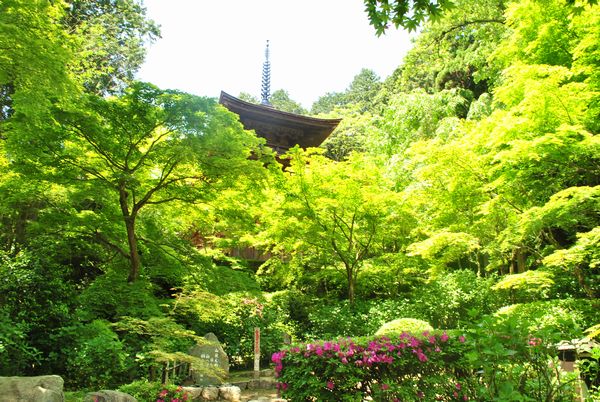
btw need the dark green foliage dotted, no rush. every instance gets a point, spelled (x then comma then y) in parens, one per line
(37, 299)
(110, 296)
(92, 356)
(16, 355)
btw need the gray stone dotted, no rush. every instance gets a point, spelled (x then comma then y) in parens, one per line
(267, 373)
(47, 388)
(268, 383)
(254, 384)
(212, 352)
(230, 393)
(194, 393)
(210, 393)
(241, 384)
(108, 396)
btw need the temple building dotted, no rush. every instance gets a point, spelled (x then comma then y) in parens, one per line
(282, 130)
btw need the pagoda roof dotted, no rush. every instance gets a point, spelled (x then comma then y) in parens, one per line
(282, 130)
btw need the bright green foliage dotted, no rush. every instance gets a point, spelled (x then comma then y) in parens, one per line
(350, 135)
(412, 117)
(232, 318)
(583, 260)
(408, 14)
(526, 286)
(145, 149)
(343, 213)
(444, 247)
(33, 61)
(409, 325)
(552, 320)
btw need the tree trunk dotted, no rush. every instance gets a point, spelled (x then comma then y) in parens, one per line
(351, 280)
(134, 255)
(129, 218)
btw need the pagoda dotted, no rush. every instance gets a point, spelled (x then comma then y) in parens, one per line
(282, 130)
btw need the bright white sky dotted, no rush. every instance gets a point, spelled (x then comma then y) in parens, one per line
(317, 46)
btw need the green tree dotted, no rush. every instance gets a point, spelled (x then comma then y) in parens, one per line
(342, 212)
(35, 53)
(110, 36)
(280, 100)
(133, 153)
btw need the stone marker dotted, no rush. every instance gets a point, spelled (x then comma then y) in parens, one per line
(213, 353)
(108, 396)
(47, 388)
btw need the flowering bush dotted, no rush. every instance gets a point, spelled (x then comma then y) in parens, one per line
(172, 393)
(398, 368)
(495, 361)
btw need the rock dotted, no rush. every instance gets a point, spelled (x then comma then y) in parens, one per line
(108, 396)
(194, 393)
(230, 393)
(267, 373)
(241, 384)
(254, 384)
(210, 393)
(267, 383)
(213, 353)
(47, 388)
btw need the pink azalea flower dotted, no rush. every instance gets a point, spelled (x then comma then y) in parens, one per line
(330, 384)
(461, 339)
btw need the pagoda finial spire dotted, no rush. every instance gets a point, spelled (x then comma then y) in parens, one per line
(266, 79)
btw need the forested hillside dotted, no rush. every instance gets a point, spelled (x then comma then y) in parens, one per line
(463, 191)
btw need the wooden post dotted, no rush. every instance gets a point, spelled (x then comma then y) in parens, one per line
(256, 352)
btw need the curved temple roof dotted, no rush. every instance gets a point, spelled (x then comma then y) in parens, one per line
(282, 130)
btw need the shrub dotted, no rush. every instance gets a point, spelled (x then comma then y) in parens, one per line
(93, 355)
(409, 325)
(494, 362)
(16, 355)
(385, 369)
(142, 390)
(553, 319)
(134, 299)
(514, 364)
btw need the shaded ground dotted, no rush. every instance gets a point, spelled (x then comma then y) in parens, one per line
(249, 394)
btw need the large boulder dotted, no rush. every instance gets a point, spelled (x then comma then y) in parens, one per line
(46, 388)
(109, 396)
(212, 352)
